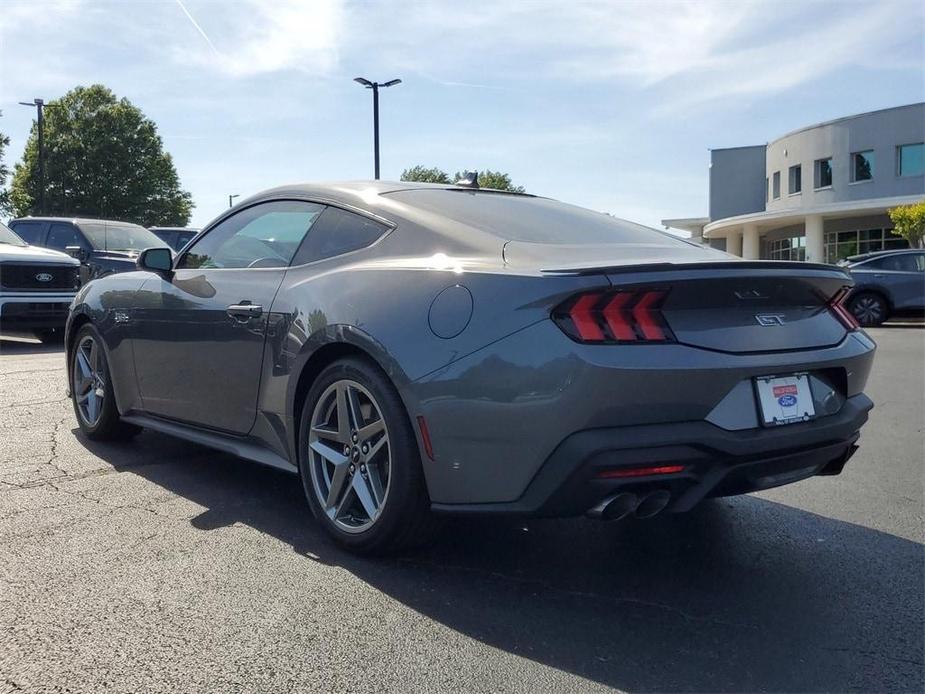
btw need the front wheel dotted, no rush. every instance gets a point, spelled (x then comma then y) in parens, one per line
(359, 461)
(92, 391)
(870, 309)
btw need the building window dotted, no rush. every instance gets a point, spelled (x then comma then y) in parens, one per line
(862, 166)
(793, 248)
(776, 184)
(795, 184)
(823, 173)
(841, 244)
(910, 160)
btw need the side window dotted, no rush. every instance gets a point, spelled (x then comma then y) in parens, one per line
(920, 262)
(264, 235)
(183, 238)
(60, 236)
(30, 232)
(338, 231)
(902, 263)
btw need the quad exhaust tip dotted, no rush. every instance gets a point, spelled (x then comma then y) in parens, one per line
(623, 504)
(653, 504)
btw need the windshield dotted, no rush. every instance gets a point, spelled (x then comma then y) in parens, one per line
(532, 219)
(8, 237)
(120, 237)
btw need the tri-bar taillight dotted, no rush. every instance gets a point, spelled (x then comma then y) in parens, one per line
(623, 316)
(842, 313)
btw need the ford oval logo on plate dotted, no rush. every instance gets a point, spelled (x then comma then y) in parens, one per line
(44, 277)
(787, 400)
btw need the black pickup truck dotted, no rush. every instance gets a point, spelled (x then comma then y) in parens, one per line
(102, 246)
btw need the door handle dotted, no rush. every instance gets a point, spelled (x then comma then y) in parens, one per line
(244, 311)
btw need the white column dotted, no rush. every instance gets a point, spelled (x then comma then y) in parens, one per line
(751, 246)
(734, 243)
(815, 239)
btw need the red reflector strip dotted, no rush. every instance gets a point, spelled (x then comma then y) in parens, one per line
(583, 318)
(617, 317)
(640, 471)
(646, 318)
(425, 437)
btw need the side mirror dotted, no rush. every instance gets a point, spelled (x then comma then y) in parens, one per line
(159, 260)
(77, 252)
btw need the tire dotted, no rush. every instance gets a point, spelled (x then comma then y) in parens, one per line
(50, 336)
(869, 309)
(91, 383)
(366, 490)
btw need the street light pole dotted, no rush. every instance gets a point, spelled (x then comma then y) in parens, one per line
(39, 105)
(375, 87)
(231, 199)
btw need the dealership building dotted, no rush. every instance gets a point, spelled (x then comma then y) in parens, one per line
(820, 193)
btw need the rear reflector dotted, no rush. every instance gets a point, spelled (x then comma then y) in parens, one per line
(425, 437)
(640, 471)
(632, 316)
(837, 307)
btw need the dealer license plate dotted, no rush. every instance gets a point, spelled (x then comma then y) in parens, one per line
(785, 399)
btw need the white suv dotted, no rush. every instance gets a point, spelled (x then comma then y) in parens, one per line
(37, 286)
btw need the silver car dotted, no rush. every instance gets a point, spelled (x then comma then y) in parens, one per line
(412, 350)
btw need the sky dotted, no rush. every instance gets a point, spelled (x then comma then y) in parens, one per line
(610, 105)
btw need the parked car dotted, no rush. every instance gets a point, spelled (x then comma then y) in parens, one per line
(412, 349)
(886, 283)
(37, 286)
(175, 237)
(102, 246)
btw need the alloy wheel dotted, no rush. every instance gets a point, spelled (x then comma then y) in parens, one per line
(349, 454)
(868, 310)
(89, 383)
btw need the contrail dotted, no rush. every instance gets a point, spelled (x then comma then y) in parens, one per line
(198, 28)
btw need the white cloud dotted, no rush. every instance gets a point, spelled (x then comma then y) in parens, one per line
(249, 37)
(689, 52)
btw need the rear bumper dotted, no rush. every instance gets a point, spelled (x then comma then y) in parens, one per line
(34, 310)
(716, 462)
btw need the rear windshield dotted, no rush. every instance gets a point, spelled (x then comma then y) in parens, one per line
(535, 220)
(120, 237)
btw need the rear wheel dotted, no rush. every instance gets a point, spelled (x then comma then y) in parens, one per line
(359, 461)
(92, 391)
(870, 309)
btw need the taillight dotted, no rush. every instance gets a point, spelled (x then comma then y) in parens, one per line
(622, 316)
(837, 306)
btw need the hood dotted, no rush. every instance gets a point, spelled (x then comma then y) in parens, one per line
(569, 258)
(35, 254)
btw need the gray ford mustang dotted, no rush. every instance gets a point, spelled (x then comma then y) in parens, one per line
(413, 349)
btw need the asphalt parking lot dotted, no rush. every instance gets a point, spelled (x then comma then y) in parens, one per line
(158, 565)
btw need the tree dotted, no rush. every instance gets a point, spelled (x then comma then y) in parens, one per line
(909, 222)
(4, 172)
(422, 174)
(495, 180)
(103, 158)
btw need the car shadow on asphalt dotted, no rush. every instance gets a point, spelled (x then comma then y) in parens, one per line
(18, 345)
(740, 594)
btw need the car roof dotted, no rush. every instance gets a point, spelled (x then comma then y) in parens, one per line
(356, 193)
(880, 254)
(74, 220)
